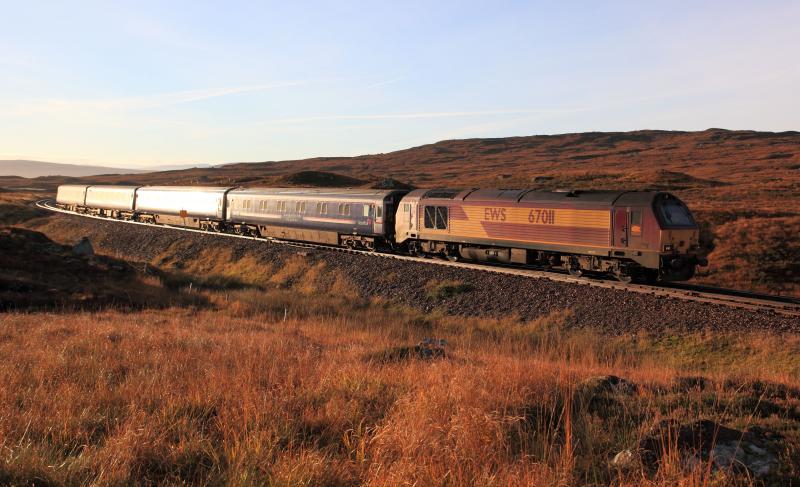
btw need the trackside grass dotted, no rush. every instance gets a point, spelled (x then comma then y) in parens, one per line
(282, 387)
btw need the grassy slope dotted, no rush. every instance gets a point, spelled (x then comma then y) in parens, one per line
(296, 385)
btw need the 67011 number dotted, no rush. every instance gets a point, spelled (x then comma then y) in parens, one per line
(545, 217)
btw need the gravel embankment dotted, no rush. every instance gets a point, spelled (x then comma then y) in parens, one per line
(488, 294)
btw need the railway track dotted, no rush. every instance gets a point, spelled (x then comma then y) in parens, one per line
(689, 292)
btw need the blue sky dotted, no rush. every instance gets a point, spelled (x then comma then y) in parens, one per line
(138, 84)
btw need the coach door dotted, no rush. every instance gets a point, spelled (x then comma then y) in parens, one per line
(621, 238)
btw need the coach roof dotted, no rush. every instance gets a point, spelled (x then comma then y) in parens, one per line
(339, 193)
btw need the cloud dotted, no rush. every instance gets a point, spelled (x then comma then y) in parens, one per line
(45, 106)
(386, 82)
(419, 115)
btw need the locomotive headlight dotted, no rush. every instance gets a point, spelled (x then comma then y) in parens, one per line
(668, 248)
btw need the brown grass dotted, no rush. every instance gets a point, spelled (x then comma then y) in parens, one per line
(764, 252)
(274, 387)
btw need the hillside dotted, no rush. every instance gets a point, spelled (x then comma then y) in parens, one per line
(35, 169)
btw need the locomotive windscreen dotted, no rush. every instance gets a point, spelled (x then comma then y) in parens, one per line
(673, 213)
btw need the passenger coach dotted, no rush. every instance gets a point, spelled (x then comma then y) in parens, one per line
(362, 218)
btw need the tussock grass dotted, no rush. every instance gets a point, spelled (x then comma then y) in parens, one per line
(275, 387)
(437, 290)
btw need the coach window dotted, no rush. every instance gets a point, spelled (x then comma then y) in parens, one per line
(636, 222)
(379, 212)
(366, 211)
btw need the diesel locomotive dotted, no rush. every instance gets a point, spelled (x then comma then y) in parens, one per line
(627, 234)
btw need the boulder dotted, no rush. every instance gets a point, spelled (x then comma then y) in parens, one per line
(83, 248)
(752, 451)
(598, 395)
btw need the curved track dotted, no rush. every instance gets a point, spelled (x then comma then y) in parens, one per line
(689, 292)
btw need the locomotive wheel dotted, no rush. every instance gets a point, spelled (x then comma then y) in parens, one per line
(575, 271)
(623, 278)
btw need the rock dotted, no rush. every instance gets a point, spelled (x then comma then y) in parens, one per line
(427, 349)
(604, 384)
(626, 460)
(688, 383)
(597, 395)
(391, 183)
(83, 248)
(752, 451)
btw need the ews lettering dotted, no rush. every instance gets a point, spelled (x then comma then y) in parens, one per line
(545, 217)
(495, 214)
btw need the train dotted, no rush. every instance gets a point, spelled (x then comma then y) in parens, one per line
(630, 235)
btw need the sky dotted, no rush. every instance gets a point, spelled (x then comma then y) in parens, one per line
(150, 83)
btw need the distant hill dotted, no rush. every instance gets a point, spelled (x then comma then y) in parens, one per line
(35, 169)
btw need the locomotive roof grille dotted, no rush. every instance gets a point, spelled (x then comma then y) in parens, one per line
(443, 193)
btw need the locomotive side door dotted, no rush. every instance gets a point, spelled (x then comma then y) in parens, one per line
(635, 233)
(620, 227)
